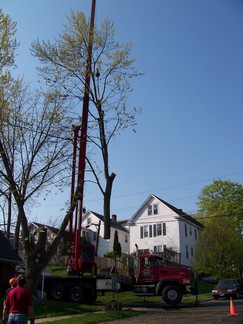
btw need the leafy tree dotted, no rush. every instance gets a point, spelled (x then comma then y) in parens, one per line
(111, 69)
(222, 198)
(116, 245)
(219, 250)
(116, 249)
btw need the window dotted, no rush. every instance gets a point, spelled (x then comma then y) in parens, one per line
(153, 209)
(89, 221)
(164, 229)
(185, 230)
(191, 251)
(155, 230)
(195, 235)
(146, 231)
(190, 231)
(157, 248)
(150, 210)
(126, 238)
(157, 262)
(150, 230)
(187, 252)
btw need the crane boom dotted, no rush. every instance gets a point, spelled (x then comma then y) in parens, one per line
(79, 179)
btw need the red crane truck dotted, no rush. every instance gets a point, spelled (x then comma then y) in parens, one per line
(151, 278)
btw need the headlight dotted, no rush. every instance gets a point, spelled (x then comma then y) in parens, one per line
(214, 291)
(187, 281)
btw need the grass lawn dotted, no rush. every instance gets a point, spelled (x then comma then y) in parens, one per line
(96, 314)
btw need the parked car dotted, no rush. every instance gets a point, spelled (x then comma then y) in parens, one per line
(228, 288)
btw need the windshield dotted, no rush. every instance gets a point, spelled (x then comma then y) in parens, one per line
(227, 283)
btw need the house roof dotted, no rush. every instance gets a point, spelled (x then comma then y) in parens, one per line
(179, 212)
(115, 225)
(7, 253)
(51, 228)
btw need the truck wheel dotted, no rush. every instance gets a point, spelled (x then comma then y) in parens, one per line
(76, 294)
(58, 293)
(172, 295)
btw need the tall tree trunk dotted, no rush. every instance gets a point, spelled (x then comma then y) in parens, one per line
(107, 202)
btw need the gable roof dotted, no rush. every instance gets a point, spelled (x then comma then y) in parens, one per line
(7, 253)
(51, 228)
(115, 225)
(179, 212)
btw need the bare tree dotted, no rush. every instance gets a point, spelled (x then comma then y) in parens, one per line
(34, 151)
(64, 66)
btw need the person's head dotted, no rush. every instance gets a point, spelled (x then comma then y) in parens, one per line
(13, 282)
(21, 280)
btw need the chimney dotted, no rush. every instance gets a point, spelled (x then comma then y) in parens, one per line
(114, 218)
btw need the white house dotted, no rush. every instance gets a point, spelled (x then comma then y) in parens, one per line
(158, 225)
(93, 224)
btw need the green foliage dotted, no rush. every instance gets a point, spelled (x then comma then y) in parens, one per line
(219, 250)
(8, 43)
(64, 63)
(222, 199)
(116, 245)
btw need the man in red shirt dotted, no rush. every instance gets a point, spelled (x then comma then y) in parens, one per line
(13, 284)
(18, 304)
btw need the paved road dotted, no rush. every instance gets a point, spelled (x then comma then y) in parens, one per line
(212, 312)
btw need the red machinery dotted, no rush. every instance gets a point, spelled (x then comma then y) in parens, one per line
(81, 256)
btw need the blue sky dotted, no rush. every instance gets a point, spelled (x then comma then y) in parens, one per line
(190, 129)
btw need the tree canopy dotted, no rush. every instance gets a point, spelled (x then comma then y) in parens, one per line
(35, 126)
(64, 66)
(219, 250)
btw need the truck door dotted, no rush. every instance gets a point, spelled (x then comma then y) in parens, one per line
(146, 273)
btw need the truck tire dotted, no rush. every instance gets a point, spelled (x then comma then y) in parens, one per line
(76, 294)
(58, 293)
(172, 295)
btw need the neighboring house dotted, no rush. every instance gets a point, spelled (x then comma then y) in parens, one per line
(9, 258)
(157, 225)
(93, 224)
(34, 229)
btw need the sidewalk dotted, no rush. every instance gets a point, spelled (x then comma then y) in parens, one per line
(58, 318)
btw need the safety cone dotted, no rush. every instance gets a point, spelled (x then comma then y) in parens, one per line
(233, 311)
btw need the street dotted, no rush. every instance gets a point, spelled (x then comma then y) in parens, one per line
(210, 312)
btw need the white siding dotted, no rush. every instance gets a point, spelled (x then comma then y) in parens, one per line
(174, 238)
(104, 245)
(153, 213)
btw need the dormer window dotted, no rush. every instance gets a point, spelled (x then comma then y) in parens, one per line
(150, 210)
(153, 209)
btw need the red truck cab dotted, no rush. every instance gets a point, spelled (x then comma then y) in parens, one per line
(153, 279)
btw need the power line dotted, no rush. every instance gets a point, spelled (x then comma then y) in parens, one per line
(177, 186)
(160, 189)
